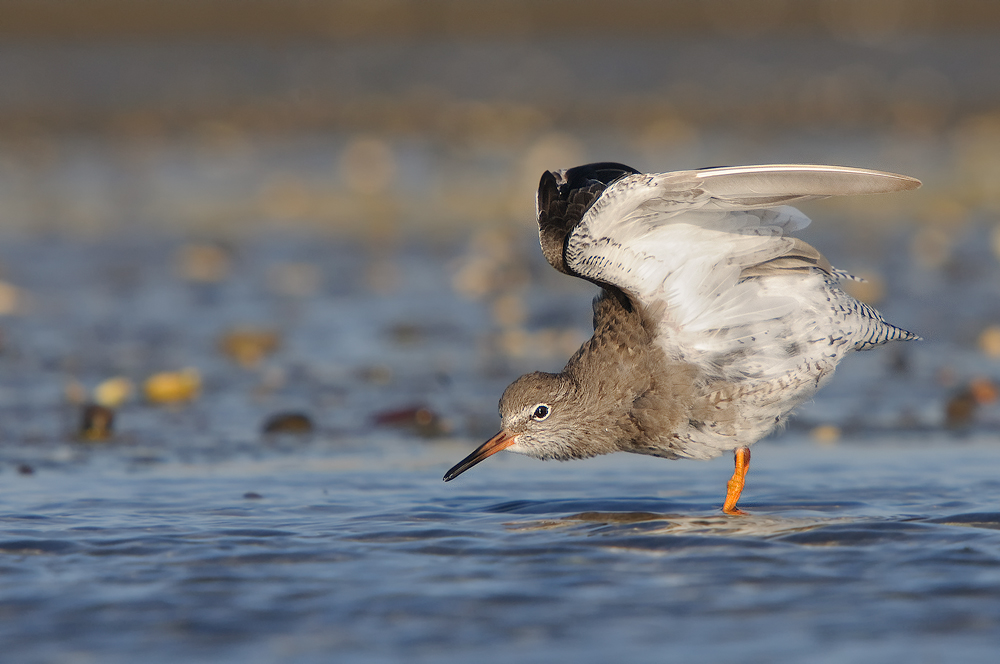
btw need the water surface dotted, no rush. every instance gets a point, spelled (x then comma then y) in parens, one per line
(852, 553)
(192, 536)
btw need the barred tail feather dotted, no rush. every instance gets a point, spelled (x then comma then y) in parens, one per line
(875, 331)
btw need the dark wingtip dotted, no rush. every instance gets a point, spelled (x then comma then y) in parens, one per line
(551, 213)
(605, 172)
(564, 197)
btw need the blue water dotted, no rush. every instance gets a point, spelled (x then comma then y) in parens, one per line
(396, 177)
(191, 536)
(868, 551)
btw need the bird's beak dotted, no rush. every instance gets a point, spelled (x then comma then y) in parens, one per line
(501, 441)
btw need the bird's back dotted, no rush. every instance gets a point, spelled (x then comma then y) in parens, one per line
(675, 408)
(709, 261)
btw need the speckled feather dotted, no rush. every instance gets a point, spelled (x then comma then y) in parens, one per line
(713, 322)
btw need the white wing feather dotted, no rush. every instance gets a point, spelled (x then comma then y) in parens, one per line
(679, 242)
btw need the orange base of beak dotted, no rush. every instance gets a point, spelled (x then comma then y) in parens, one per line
(501, 441)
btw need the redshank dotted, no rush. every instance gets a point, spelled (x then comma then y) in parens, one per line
(713, 322)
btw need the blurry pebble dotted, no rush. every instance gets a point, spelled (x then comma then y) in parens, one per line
(10, 298)
(825, 434)
(248, 346)
(423, 421)
(173, 386)
(25, 469)
(406, 333)
(899, 360)
(297, 423)
(113, 392)
(294, 279)
(983, 390)
(206, 263)
(378, 374)
(252, 495)
(96, 422)
(989, 341)
(961, 408)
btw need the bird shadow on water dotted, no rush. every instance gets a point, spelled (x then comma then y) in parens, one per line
(811, 524)
(652, 516)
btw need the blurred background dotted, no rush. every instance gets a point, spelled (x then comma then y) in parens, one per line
(327, 154)
(378, 160)
(266, 267)
(230, 116)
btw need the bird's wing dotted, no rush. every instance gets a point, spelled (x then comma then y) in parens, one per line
(689, 244)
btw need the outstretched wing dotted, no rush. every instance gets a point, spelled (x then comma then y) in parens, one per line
(709, 251)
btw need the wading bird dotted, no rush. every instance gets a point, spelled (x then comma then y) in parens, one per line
(713, 321)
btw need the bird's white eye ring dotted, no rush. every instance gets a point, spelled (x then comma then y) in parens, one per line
(540, 412)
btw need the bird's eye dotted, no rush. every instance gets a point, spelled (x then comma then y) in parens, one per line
(540, 412)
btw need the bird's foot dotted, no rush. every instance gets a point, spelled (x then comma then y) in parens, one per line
(735, 486)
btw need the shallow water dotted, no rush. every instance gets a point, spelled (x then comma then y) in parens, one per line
(192, 536)
(873, 532)
(853, 553)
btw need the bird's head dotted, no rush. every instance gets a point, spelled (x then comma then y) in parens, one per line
(539, 417)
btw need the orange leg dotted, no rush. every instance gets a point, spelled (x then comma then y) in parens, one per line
(735, 486)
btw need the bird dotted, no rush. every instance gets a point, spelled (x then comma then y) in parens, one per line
(713, 321)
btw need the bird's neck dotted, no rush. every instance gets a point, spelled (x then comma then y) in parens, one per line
(621, 343)
(611, 371)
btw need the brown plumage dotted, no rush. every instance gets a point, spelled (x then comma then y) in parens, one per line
(621, 394)
(712, 323)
